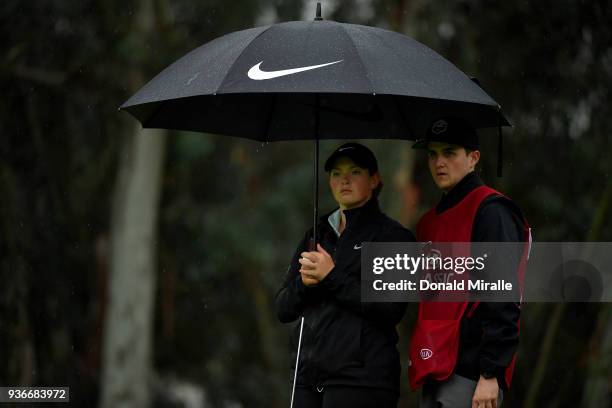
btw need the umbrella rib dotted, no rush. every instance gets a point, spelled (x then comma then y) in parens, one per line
(399, 56)
(240, 55)
(359, 57)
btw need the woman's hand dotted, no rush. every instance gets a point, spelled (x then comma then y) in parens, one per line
(315, 265)
(308, 281)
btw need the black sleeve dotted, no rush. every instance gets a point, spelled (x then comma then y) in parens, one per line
(497, 221)
(347, 291)
(293, 294)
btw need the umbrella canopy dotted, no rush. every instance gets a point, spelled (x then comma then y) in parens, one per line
(312, 79)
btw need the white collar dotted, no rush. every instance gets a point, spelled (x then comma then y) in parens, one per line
(334, 220)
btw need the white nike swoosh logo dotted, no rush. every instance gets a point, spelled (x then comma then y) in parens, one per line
(357, 246)
(257, 74)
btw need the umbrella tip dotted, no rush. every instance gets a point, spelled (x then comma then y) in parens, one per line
(318, 15)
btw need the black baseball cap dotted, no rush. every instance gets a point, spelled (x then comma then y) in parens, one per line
(361, 155)
(449, 130)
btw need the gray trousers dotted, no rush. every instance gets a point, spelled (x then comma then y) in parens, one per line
(456, 392)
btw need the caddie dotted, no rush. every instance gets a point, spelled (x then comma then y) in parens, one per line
(462, 353)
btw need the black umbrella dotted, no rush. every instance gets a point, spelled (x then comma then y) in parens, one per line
(312, 80)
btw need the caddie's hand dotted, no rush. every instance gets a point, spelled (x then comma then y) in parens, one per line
(486, 393)
(316, 264)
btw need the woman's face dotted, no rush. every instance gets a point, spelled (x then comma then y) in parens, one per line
(350, 184)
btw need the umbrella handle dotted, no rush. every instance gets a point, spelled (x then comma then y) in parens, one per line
(297, 359)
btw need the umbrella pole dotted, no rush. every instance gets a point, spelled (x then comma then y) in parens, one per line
(315, 217)
(314, 230)
(316, 176)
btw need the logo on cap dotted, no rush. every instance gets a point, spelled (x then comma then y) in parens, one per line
(439, 126)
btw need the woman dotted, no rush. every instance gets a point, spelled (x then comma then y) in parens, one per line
(348, 355)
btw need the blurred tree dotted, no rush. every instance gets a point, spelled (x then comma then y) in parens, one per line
(126, 357)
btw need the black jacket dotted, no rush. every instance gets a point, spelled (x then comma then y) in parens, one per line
(344, 341)
(490, 337)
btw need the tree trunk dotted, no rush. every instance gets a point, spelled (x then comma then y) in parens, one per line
(126, 358)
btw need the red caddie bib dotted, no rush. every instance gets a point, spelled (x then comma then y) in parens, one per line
(434, 345)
